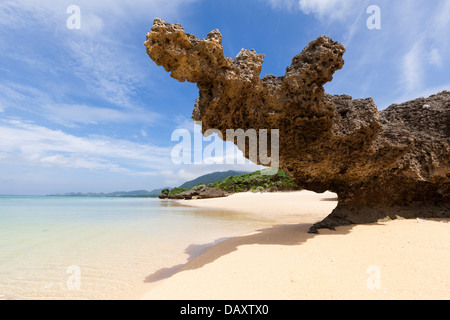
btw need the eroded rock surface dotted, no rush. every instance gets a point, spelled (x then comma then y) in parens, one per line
(203, 193)
(381, 164)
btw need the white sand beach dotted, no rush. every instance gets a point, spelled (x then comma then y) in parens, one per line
(400, 259)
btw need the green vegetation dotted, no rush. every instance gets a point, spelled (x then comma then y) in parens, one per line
(199, 187)
(256, 181)
(177, 190)
(165, 192)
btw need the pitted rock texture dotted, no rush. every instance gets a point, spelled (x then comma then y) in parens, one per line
(203, 193)
(393, 163)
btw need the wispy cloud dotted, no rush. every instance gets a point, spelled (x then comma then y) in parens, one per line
(406, 56)
(412, 68)
(39, 103)
(16, 12)
(72, 114)
(97, 58)
(425, 93)
(428, 30)
(104, 68)
(283, 4)
(27, 143)
(328, 9)
(435, 58)
(323, 9)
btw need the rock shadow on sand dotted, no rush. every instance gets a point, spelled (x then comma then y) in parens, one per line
(201, 255)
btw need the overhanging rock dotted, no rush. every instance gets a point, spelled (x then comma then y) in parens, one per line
(393, 163)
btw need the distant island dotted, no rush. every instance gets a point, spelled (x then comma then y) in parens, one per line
(137, 193)
(255, 182)
(205, 179)
(211, 185)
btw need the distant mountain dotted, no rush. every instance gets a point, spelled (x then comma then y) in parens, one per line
(258, 181)
(205, 179)
(155, 192)
(211, 177)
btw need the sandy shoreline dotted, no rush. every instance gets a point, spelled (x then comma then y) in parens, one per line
(281, 207)
(401, 259)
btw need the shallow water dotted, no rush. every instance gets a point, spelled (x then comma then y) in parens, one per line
(101, 248)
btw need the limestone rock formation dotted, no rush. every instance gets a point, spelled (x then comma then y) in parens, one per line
(381, 164)
(203, 193)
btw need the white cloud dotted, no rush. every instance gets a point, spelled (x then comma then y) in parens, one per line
(23, 144)
(435, 58)
(412, 68)
(329, 9)
(283, 4)
(440, 23)
(322, 9)
(98, 54)
(410, 54)
(408, 96)
(69, 115)
(27, 143)
(108, 75)
(40, 103)
(93, 13)
(16, 95)
(428, 27)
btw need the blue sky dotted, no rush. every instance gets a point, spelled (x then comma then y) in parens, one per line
(87, 110)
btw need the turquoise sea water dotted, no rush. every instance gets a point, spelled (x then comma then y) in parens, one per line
(102, 248)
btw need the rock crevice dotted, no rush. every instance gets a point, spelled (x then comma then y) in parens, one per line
(393, 163)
